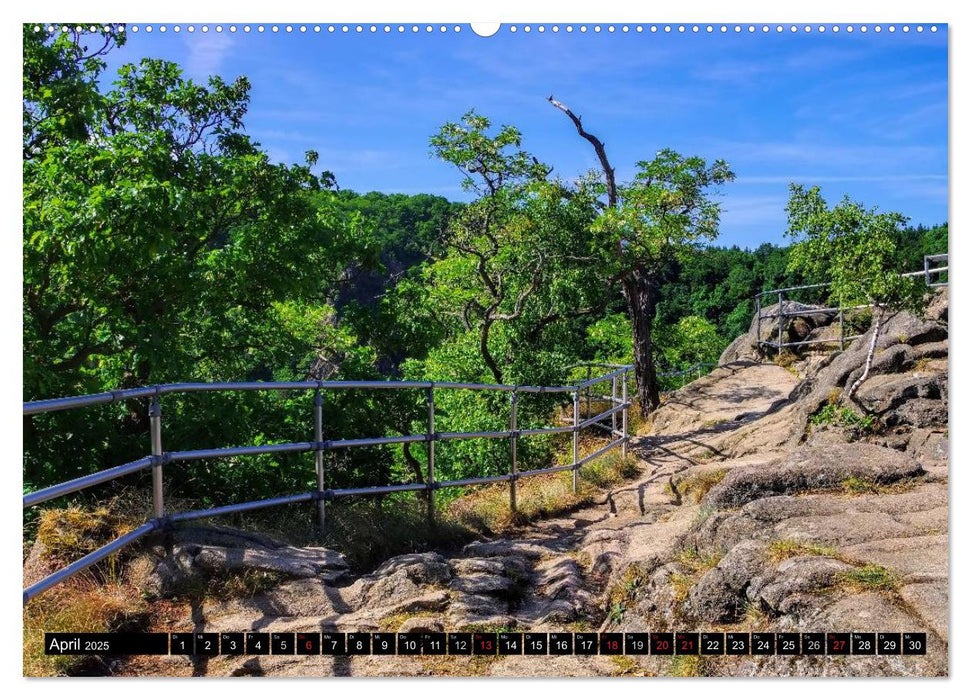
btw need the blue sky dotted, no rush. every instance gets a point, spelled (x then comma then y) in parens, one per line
(858, 114)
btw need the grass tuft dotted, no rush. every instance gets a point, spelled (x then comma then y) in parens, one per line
(781, 550)
(698, 484)
(870, 577)
(688, 667)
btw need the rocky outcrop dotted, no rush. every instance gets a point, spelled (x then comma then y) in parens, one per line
(192, 553)
(813, 467)
(802, 322)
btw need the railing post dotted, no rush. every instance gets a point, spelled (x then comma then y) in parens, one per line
(842, 333)
(155, 426)
(927, 271)
(623, 413)
(758, 321)
(613, 404)
(576, 438)
(587, 389)
(780, 317)
(513, 440)
(319, 458)
(430, 401)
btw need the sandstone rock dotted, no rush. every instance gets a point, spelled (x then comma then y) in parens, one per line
(404, 577)
(484, 584)
(919, 413)
(719, 596)
(499, 548)
(937, 307)
(807, 468)
(291, 561)
(430, 625)
(930, 601)
(882, 393)
(781, 588)
(927, 445)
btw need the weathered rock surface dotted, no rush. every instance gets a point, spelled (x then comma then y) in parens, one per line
(813, 468)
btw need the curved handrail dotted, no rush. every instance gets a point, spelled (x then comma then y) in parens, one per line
(159, 458)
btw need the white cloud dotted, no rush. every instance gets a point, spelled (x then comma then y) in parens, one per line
(207, 53)
(813, 179)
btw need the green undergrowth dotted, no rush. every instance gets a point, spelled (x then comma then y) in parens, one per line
(843, 416)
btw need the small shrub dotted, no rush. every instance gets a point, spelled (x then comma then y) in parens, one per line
(856, 485)
(616, 614)
(833, 414)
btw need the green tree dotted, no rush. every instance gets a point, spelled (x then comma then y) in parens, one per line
(515, 253)
(161, 244)
(664, 213)
(855, 247)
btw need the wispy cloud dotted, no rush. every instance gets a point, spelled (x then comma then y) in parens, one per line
(741, 211)
(207, 53)
(812, 179)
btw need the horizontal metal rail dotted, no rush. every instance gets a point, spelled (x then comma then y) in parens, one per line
(159, 458)
(32, 499)
(62, 404)
(242, 507)
(88, 560)
(690, 370)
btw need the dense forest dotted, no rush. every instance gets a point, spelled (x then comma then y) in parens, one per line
(162, 245)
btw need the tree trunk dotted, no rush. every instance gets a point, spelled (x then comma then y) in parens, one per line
(416, 469)
(877, 322)
(484, 350)
(640, 291)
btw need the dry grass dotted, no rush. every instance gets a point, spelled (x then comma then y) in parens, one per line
(781, 550)
(691, 666)
(392, 623)
(756, 619)
(625, 666)
(786, 359)
(698, 484)
(856, 486)
(624, 592)
(694, 565)
(487, 509)
(370, 532)
(83, 604)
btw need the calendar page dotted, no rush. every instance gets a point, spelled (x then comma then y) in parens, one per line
(542, 349)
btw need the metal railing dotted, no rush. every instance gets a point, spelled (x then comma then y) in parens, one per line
(796, 308)
(158, 458)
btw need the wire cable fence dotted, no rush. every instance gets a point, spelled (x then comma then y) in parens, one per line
(159, 459)
(787, 307)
